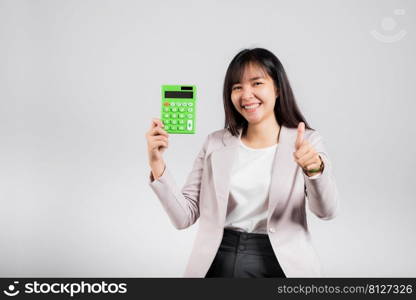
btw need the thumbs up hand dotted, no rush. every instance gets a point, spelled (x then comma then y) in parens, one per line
(305, 155)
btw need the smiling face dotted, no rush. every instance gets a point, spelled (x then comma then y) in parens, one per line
(255, 95)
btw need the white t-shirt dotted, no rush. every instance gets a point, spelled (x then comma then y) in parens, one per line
(249, 189)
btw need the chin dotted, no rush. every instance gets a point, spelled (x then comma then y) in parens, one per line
(254, 121)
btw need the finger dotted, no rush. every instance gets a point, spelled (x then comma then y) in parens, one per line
(153, 124)
(301, 131)
(304, 148)
(301, 161)
(311, 154)
(159, 144)
(313, 160)
(159, 138)
(158, 131)
(161, 131)
(157, 122)
(160, 123)
(313, 166)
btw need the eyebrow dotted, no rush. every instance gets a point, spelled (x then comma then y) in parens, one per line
(253, 78)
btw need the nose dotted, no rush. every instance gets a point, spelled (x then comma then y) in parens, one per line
(247, 93)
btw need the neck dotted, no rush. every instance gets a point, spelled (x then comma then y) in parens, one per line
(263, 134)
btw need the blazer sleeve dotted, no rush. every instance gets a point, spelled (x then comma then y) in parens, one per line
(321, 191)
(182, 206)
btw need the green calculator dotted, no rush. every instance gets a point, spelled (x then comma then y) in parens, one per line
(178, 108)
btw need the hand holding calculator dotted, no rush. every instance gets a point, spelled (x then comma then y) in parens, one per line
(157, 143)
(178, 108)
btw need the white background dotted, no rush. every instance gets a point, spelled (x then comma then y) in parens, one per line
(80, 82)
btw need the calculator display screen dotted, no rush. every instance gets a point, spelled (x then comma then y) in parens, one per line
(179, 94)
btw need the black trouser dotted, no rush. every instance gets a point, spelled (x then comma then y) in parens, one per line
(245, 255)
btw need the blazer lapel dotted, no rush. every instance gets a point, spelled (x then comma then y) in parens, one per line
(283, 173)
(222, 164)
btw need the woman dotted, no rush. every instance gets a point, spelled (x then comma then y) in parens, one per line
(249, 183)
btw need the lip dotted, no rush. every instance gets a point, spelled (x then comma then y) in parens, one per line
(252, 110)
(251, 103)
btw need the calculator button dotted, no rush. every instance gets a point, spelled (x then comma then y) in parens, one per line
(174, 122)
(181, 116)
(190, 104)
(172, 104)
(189, 116)
(189, 125)
(178, 104)
(181, 122)
(166, 127)
(174, 116)
(166, 115)
(166, 109)
(175, 109)
(166, 104)
(166, 121)
(181, 127)
(190, 110)
(174, 127)
(181, 109)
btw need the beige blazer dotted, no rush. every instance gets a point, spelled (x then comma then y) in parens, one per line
(205, 195)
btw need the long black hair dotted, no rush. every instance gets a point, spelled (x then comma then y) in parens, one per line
(286, 110)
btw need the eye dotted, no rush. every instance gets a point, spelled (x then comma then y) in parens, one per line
(235, 88)
(258, 83)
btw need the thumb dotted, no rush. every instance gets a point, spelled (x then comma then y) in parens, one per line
(299, 138)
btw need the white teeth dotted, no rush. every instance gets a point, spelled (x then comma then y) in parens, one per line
(252, 106)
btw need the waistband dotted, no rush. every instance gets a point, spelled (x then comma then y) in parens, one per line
(243, 242)
(245, 235)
